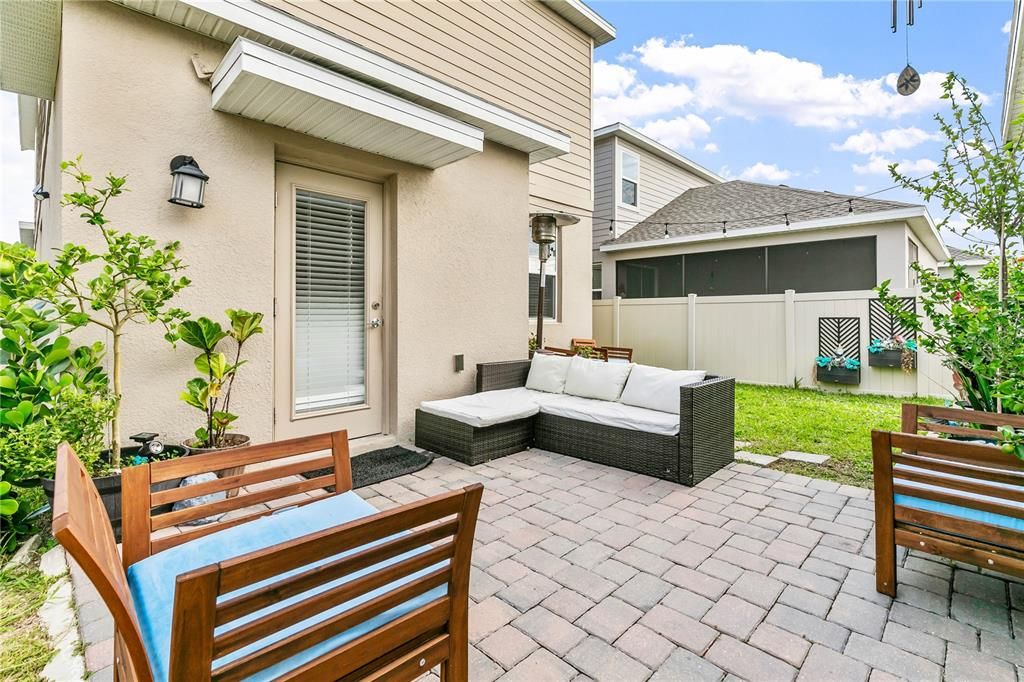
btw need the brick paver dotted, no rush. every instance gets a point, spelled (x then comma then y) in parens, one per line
(582, 571)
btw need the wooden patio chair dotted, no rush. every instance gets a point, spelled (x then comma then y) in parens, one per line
(576, 343)
(960, 500)
(293, 582)
(559, 351)
(618, 353)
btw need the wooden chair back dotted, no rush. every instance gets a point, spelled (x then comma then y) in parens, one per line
(551, 350)
(966, 423)
(963, 471)
(273, 480)
(576, 343)
(81, 525)
(617, 353)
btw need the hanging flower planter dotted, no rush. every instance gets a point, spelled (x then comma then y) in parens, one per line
(893, 352)
(837, 369)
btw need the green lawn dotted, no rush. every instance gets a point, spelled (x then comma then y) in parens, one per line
(25, 648)
(774, 419)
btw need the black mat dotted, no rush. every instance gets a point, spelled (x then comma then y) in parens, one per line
(381, 465)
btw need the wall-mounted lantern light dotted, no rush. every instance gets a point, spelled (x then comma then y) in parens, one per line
(188, 182)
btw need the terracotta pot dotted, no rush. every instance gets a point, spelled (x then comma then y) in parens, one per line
(232, 441)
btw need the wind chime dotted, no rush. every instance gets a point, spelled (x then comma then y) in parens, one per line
(909, 79)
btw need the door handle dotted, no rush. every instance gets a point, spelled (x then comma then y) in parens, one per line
(376, 322)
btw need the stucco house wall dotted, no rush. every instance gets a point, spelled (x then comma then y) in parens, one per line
(129, 100)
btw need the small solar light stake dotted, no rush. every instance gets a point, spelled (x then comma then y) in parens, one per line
(188, 182)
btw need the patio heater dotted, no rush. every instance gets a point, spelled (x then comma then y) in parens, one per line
(544, 228)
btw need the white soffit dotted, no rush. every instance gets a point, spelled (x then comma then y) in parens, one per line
(29, 46)
(264, 84)
(587, 20)
(226, 20)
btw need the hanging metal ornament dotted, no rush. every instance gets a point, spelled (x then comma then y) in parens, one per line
(909, 79)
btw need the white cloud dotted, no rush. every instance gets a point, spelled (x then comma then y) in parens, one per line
(640, 103)
(767, 172)
(860, 189)
(1006, 26)
(17, 171)
(711, 148)
(738, 81)
(611, 80)
(680, 132)
(879, 165)
(886, 141)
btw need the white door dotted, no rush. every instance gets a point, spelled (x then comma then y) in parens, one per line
(329, 333)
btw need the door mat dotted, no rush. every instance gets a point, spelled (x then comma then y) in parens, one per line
(381, 465)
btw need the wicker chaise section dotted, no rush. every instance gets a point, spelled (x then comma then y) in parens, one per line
(704, 445)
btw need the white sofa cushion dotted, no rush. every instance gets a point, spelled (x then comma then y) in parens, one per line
(547, 373)
(596, 379)
(487, 408)
(612, 413)
(657, 388)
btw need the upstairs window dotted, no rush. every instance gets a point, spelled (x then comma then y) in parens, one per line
(595, 282)
(630, 166)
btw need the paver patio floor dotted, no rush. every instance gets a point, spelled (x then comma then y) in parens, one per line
(584, 571)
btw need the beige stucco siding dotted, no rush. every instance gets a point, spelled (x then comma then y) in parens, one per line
(454, 245)
(519, 55)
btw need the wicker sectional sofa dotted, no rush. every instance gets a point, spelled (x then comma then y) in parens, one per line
(703, 445)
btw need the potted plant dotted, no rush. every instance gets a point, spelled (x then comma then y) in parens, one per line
(837, 368)
(211, 392)
(893, 352)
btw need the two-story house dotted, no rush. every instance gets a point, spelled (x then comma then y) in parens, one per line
(634, 176)
(372, 167)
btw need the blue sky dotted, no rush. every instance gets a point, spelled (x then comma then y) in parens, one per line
(762, 90)
(798, 93)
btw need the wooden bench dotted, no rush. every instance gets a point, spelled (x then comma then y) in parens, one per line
(952, 498)
(340, 592)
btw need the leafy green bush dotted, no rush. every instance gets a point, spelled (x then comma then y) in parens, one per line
(79, 418)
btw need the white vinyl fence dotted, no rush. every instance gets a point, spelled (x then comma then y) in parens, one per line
(763, 339)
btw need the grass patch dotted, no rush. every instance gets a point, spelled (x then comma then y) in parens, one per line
(775, 419)
(25, 648)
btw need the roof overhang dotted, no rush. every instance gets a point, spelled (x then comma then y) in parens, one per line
(916, 217)
(29, 46)
(582, 17)
(264, 84)
(226, 20)
(1013, 87)
(652, 146)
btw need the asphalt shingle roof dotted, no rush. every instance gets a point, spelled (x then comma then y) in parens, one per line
(744, 205)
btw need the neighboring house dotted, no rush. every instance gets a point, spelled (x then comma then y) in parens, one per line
(372, 170)
(737, 238)
(634, 176)
(970, 261)
(27, 233)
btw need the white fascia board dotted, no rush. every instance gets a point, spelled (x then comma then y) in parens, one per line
(584, 18)
(288, 74)
(227, 19)
(1014, 63)
(636, 138)
(915, 213)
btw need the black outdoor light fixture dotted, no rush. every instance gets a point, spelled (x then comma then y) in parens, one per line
(544, 228)
(188, 182)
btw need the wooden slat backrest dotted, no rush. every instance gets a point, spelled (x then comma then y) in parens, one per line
(617, 353)
(81, 525)
(967, 423)
(274, 468)
(981, 470)
(576, 343)
(551, 350)
(440, 529)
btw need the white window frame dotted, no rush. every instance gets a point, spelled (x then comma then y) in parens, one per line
(622, 176)
(551, 268)
(599, 289)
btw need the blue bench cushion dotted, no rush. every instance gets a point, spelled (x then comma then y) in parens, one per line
(152, 582)
(958, 511)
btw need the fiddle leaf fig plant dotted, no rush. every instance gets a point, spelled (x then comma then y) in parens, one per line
(211, 392)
